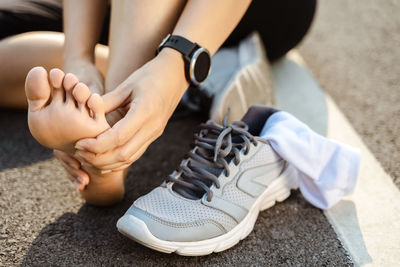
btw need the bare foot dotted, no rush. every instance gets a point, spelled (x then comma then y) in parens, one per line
(62, 111)
(90, 75)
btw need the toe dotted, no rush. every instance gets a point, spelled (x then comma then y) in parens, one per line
(81, 94)
(37, 88)
(56, 77)
(96, 105)
(56, 80)
(69, 83)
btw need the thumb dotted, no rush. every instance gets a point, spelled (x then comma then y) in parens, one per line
(116, 99)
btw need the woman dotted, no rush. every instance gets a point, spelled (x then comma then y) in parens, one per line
(140, 91)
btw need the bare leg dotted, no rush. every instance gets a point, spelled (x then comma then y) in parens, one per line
(151, 25)
(61, 111)
(26, 51)
(22, 52)
(136, 30)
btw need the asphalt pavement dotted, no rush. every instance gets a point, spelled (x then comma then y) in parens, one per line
(352, 50)
(45, 223)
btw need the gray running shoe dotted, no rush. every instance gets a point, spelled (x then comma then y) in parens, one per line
(240, 77)
(212, 200)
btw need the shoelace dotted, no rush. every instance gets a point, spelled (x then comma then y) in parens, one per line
(215, 147)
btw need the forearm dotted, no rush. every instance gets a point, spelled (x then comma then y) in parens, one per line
(82, 27)
(210, 22)
(206, 22)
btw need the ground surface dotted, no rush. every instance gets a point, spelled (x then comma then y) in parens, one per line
(353, 50)
(43, 221)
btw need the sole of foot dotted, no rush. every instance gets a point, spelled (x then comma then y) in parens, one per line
(62, 111)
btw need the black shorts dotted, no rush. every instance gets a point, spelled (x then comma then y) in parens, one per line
(282, 24)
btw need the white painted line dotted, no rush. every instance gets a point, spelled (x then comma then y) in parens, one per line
(297, 92)
(368, 222)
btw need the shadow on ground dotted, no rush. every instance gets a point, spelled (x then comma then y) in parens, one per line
(15, 137)
(41, 227)
(287, 234)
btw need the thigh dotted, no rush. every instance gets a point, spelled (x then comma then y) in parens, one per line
(282, 24)
(38, 15)
(19, 17)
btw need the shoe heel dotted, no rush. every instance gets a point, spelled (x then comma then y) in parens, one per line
(283, 196)
(277, 196)
(281, 188)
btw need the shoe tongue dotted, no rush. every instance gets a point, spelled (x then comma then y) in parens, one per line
(256, 117)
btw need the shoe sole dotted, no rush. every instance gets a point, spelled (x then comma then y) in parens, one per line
(251, 85)
(277, 191)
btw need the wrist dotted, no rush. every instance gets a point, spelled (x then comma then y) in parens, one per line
(174, 61)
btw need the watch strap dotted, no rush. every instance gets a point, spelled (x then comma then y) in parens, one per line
(192, 53)
(179, 43)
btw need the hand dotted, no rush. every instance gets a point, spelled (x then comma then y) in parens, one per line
(87, 73)
(75, 174)
(150, 95)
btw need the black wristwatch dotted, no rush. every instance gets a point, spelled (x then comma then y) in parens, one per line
(197, 59)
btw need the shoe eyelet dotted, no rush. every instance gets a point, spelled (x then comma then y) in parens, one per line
(207, 197)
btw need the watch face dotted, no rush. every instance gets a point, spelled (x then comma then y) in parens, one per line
(200, 66)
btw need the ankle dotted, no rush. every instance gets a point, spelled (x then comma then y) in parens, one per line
(105, 190)
(108, 197)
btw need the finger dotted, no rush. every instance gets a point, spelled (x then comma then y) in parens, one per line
(73, 167)
(70, 177)
(119, 134)
(97, 160)
(86, 166)
(115, 166)
(77, 174)
(70, 172)
(118, 167)
(132, 150)
(122, 165)
(119, 155)
(78, 177)
(116, 98)
(64, 157)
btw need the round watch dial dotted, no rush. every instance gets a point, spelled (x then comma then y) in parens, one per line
(200, 66)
